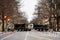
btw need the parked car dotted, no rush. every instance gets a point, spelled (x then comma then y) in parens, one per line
(41, 27)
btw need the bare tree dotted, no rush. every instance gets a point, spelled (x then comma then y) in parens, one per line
(42, 10)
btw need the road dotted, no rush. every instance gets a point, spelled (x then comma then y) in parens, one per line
(31, 35)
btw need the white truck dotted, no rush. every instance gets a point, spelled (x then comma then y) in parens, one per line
(30, 26)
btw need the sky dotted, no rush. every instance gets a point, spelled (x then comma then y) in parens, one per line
(28, 8)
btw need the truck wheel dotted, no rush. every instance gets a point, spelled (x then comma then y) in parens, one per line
(18, 29)
(29, 29)
(21, 29)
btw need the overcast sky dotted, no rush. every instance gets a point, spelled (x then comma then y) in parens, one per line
(28, 8)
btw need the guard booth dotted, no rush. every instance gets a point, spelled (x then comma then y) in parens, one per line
(30, 26)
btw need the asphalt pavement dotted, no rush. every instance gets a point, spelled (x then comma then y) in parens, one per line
(4, 34)
(31, 35)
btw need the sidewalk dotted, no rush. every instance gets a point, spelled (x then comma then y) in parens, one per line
(5, 32)
(52, 34)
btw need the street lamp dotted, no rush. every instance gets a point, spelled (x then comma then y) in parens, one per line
(5, 20)
(8, 19)
(5, 17)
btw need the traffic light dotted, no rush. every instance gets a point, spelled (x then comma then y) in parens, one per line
(5, 17)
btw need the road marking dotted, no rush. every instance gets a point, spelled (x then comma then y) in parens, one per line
(2, 34)
(6, 37)
(26, 35)
(40, 37)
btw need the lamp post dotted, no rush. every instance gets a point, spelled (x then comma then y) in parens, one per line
(5, 19)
